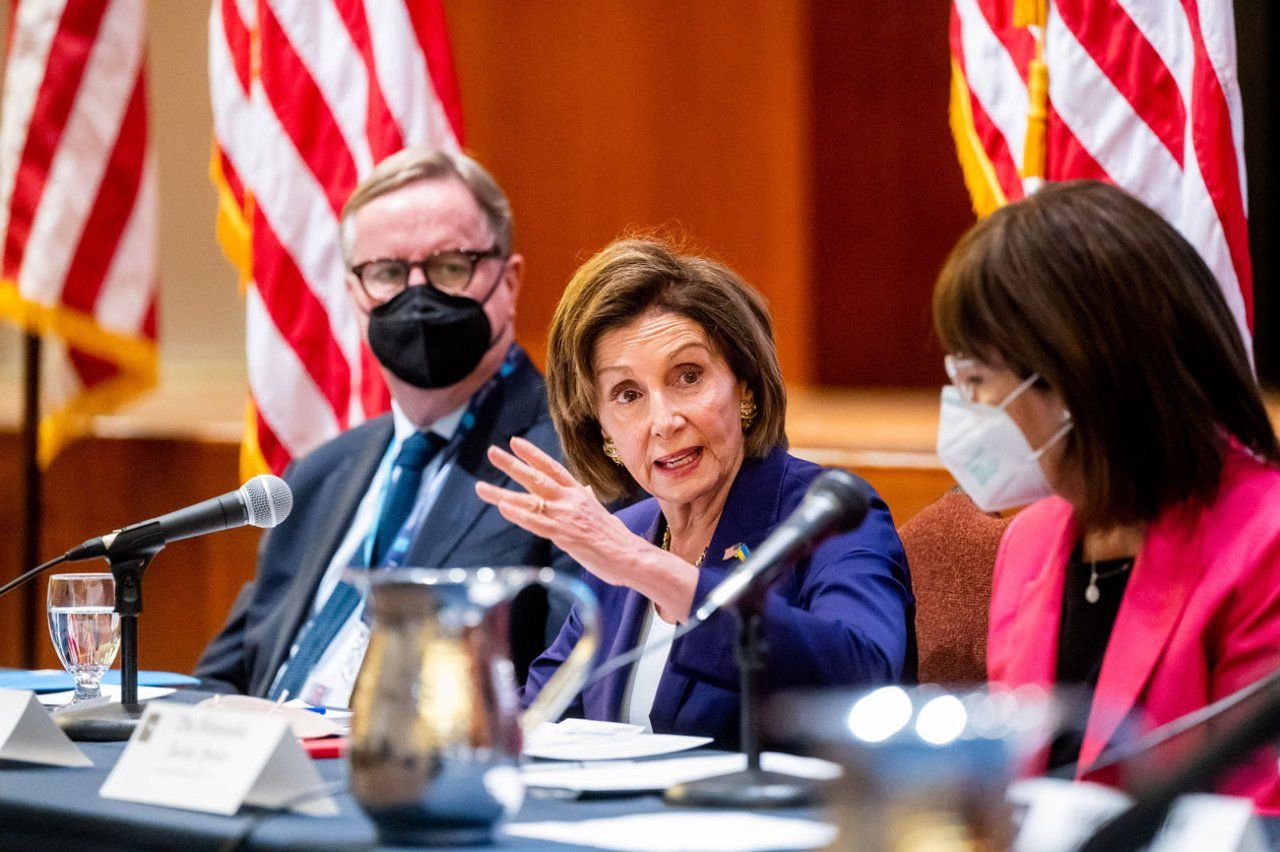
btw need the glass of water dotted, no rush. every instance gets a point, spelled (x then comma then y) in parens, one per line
(85, 628)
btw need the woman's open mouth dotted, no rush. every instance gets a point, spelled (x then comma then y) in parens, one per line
(680, 462)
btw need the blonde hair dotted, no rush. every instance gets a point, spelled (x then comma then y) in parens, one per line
(410, 165)
(620, 283)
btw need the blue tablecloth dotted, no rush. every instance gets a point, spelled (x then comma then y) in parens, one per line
(52, 808)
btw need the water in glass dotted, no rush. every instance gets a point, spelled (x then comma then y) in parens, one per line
(84, 627)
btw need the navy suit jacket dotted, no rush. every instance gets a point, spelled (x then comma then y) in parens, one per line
(459, 531)
(844, 616)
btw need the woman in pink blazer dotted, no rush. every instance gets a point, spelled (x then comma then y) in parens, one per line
(1098, 372)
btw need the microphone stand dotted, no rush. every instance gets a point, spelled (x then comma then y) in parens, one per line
(752, 787)
(116, 721)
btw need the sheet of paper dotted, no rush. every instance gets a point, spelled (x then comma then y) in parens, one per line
(731, 831)
(586, 739)
(1061, 814)
(305, 724)
(110, 693)
(622, 776)
(214, 761)
(1202, 822)
(29, 734)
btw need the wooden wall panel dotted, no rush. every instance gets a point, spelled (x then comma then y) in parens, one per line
(99, 484)
(11, 607)
(601, 115)
(889, 200)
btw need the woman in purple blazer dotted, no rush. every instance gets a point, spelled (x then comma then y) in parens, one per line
(663, 378)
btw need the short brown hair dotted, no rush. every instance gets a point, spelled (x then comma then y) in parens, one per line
(620, 283)
(1084, 285)
(410, 165)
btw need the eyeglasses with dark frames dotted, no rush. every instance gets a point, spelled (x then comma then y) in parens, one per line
(449, 271)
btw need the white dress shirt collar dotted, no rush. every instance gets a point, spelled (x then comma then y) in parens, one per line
(444, 426)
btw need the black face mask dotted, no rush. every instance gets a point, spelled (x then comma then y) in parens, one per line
(428, 338)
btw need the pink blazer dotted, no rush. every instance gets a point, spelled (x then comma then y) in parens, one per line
(1200, 616)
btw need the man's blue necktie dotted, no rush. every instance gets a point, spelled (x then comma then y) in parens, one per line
(416, 453)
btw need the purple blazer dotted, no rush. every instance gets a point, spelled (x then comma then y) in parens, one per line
(845, 616)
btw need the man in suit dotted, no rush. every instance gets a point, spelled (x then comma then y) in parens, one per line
(427, 239)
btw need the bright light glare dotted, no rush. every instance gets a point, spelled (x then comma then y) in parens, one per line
(941, 720)
(880, 715)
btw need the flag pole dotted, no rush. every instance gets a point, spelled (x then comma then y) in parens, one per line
(29, 601)
(1034, 15)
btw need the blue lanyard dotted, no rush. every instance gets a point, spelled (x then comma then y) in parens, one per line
(399, 546)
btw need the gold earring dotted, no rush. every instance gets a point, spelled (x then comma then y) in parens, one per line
(747, 411)
(611, 450)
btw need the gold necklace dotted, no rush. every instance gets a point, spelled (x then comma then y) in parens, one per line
(666, 545)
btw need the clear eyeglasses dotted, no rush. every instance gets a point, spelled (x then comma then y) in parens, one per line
(966, 374)
(449, 271)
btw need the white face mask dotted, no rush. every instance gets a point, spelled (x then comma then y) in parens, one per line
(988, 454)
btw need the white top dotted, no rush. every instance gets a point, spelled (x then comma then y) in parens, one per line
(334, 674)
(642, 688)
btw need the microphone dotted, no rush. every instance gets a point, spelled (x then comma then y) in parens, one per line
(263, 501)
(835, 502)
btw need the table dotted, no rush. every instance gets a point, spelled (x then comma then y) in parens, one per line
(52, 808)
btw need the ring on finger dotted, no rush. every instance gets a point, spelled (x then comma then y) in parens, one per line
(540, 507)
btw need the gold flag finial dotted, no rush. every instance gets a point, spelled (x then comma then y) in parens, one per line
(1034, 14)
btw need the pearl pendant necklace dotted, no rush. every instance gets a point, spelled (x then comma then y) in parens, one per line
(1092, 594)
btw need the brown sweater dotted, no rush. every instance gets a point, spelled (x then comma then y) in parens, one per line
(951, 547)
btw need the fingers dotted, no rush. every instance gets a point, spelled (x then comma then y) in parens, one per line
(554, 505)
(495, 496)
(525, 510)
(530, 453)
(527, 502)
(533, 480)
(535, 523)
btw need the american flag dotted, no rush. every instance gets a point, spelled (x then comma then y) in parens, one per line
(308, 95)
(78, 205)
(1140, 93)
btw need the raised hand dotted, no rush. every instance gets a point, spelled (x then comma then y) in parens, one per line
(557, 507)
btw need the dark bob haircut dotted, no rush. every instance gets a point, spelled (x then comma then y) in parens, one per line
(623, 281)
(1099, 295)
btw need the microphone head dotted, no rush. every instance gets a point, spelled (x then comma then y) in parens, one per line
(847, 492)
(267, 500)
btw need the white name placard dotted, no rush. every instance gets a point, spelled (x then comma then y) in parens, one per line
(201, 759)
(29, 734)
